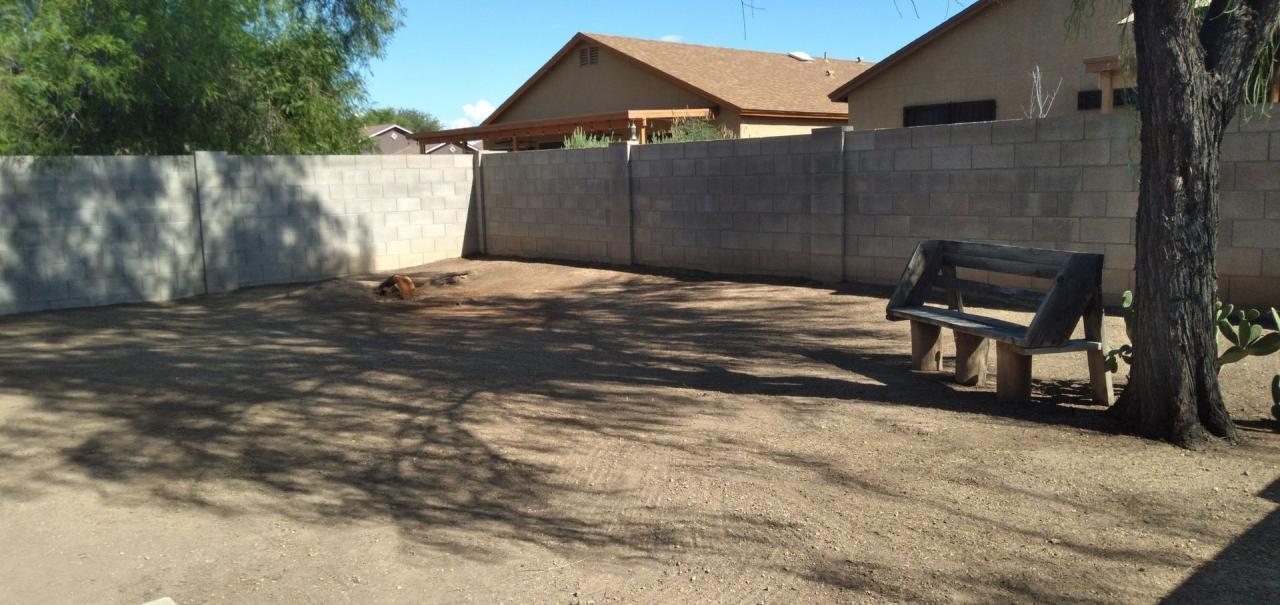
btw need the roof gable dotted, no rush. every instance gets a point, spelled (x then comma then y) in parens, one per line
(743, 80)
(842, 94)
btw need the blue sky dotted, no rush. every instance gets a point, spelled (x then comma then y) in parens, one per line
(457, 60)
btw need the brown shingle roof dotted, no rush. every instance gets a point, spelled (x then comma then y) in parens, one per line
(747, 80)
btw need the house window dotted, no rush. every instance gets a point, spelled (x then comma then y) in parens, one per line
(949, 113)
(1089, 99)
(588, 55)
(1125, 96)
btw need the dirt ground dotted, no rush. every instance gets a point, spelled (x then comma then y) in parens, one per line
(549, 434)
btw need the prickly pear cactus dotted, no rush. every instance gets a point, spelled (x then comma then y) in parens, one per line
(1247, 337)
(1275, 396)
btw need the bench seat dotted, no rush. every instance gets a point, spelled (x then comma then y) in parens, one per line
(989, 327)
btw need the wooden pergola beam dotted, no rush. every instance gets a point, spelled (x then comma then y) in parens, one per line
(600, 122)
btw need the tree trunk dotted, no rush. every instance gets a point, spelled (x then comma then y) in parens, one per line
(1173, 387)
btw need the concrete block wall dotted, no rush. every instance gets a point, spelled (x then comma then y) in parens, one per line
(88, 231)
(276, 219)
(85, 231)
(754, 206)
(1068, 183)
(559, 204)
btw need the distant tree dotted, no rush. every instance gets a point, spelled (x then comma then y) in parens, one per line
(413, 119)
(169, 76)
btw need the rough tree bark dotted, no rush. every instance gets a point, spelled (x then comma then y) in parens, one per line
(1191, 76)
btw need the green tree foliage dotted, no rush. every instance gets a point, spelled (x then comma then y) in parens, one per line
(687, 130)
(414, 120)
(170, 76)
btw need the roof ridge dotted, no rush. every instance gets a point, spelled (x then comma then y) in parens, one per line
(735, 49)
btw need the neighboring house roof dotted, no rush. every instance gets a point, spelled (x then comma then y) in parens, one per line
(377, 129)
(751, 82)
(470, 147)
(842, 94)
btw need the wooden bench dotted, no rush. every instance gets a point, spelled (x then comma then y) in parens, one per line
(1074, 282)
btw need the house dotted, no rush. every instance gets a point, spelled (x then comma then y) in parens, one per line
(629, 88)
(390, 139)
(977, 65)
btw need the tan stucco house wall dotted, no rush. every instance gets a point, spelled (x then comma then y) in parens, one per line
(989, 56)
(613, 84)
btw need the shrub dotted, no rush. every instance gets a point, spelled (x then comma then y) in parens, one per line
(687, 130)
(581, 140)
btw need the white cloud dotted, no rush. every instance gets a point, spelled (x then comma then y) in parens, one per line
(478, 111)
(475, 114)
(672, 38)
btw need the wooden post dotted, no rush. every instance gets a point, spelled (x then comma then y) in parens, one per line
(971, 359)
(926, 352)
(515, 144)
(1107, 83)
(1099, 377)
(644, 131)
(1013, 374)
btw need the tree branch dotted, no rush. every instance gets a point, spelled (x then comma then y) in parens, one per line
(1233, 34)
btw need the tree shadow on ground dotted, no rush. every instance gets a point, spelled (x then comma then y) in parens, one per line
(1246, 571)
(451, 417)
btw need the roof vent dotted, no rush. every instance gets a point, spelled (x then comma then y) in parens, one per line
(800, 56)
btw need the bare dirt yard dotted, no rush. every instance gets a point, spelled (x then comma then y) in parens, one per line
(550, 434)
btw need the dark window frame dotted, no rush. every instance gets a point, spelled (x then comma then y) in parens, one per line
(959, 112)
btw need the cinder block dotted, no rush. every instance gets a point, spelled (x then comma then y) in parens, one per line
(1030, 155)
(1009, 229)
(952, 158)
(1253, 176)
(897, 138)
(963, 227)
(1062, 128)
(912, 159)
(993, 156)
(1106, 230)
(928, 226)
(1246, 262)
(1013, 131)
(1255, 233)
(1242, 204)
(1086, 153)
(930, 136)
(1055, 229)
(1245, 146)
(1059, 179)
(1122, 204)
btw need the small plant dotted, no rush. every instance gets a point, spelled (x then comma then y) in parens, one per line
(1275, 396)
(1041, 102)
(1125, 352)
(1247, 337)
(581, 140)
(687, 130)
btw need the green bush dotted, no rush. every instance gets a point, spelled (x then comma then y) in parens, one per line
(581, 140)
(688, 130)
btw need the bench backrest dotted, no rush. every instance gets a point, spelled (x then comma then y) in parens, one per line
(1075, 286)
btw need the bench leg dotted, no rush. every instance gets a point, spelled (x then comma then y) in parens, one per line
(1100, 379)
(1013, 374)
(926, 349)
(971, 359)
